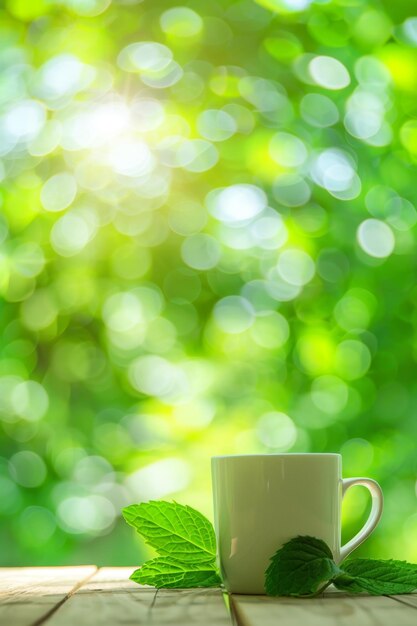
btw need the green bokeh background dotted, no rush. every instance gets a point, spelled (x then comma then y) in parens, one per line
(208, 246)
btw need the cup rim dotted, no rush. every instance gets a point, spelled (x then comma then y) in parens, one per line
(276, 454)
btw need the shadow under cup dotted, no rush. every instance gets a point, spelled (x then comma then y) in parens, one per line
(262, 501)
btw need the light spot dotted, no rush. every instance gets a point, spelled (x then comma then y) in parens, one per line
(146, 56)
(30, 400)
(269, 231)
(287, 150)
(285, 6)
(256, 291)
(95, 127)
(276, 431)
(27, 469)
(181, 22)
(352, 359)
(409, 29)
(159, 479)
(270, 330)
(279, 289)
(131, 158)
(25, 120)
(58, 192)
(71, 233)
(291, 190)
(401, 213)
(92, 470)
(319, 110)
(122, 312)
(365, 114)
(234, 314)
(62, 77)
(296, 266)
(90, 514)
(334, 170)
(146, 114)
(89, 7)
(46, 140)
(357, 455)
(201, 251)
(187, 217)
(216, 125)
(197, 155)
(329, 73)
(39, 311)
(265, 96)
(237, 203)
(408, 136)
(329, 394)
(372, 73)
(155, 376)
(28, 259)
(163, 78)
(376, 238)
(354, 311)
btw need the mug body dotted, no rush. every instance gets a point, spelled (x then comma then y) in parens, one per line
(263, 500)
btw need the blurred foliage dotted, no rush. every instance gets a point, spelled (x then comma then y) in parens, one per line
(208, 245)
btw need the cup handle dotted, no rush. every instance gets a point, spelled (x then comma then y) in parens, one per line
(374, 516)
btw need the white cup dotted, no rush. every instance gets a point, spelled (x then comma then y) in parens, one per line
(263, 500)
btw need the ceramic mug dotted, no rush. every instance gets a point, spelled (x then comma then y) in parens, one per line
(263, 500)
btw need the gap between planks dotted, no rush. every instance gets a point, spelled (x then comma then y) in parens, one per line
(29, 595)
(58, 605)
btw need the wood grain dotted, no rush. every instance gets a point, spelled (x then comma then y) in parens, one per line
(85, 596)
(29, 594)
(110, 598)
(332, 609)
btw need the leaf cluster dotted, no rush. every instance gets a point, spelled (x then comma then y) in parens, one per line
(183, 538)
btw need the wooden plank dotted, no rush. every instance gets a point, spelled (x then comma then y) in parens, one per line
(202, 607)
(111, 598)
(332, 609)
(29, 594)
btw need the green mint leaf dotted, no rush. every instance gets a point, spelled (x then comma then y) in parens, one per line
(172, 574)
(377, 577)
(174, 530)
(302, 567)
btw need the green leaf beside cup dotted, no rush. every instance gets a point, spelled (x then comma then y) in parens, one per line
(183, 538)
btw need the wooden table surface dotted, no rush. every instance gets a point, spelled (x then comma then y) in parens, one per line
(89, 596)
